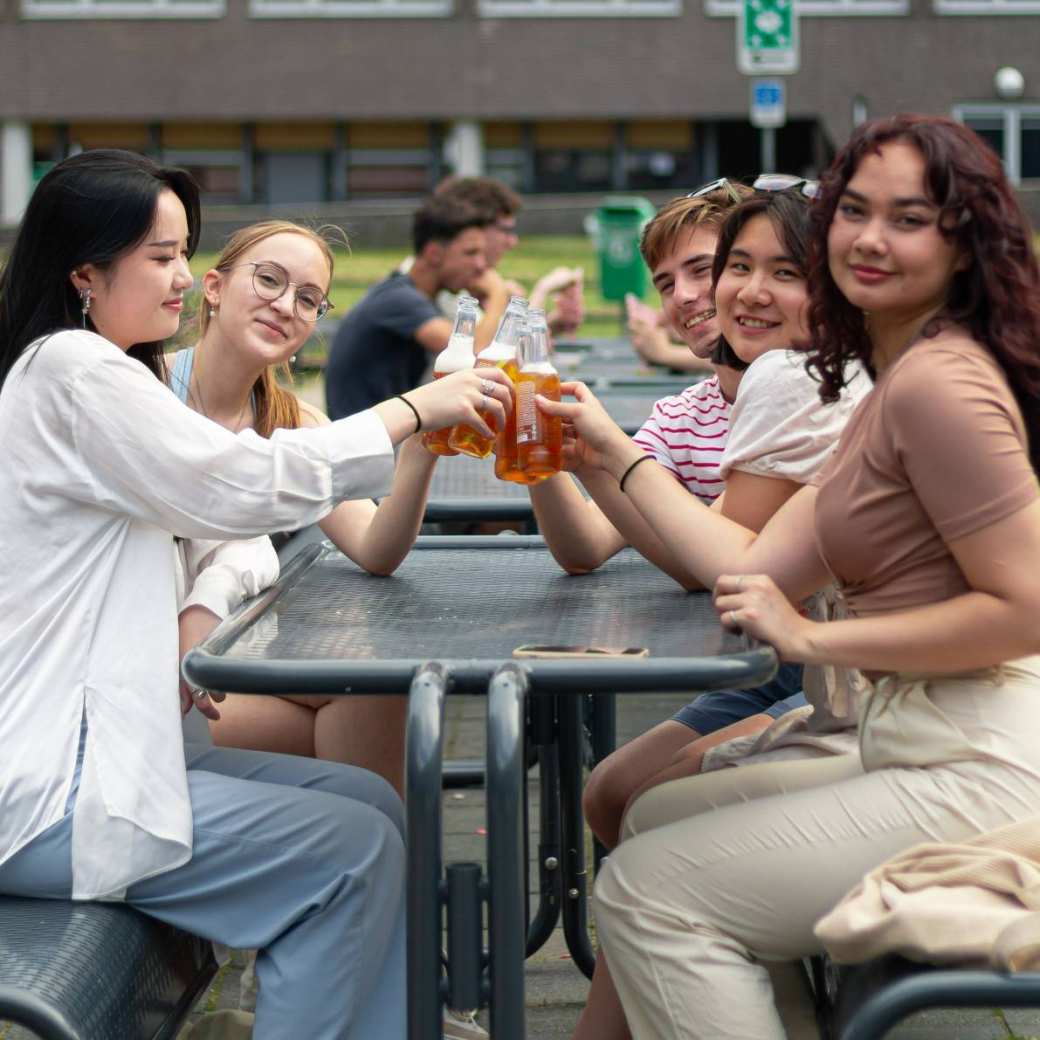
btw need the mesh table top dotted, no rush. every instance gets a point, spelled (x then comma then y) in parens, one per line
(328, 626)
(460, 476)
(481, 602)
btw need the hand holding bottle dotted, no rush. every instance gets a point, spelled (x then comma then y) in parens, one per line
(591, 437)
(473, 397)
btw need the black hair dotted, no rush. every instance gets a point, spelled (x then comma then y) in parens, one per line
(91, 208)
(444, 217)
(788, 212)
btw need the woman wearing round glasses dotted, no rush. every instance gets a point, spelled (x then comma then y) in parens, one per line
(261, 300)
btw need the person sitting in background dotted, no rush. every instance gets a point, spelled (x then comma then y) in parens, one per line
(500, 205)
(655, 341)
(383, 345)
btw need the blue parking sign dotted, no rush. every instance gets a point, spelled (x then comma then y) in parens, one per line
(768, 103)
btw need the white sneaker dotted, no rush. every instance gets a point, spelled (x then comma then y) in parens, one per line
(462, 1025)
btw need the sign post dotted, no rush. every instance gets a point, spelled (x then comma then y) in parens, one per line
(767, 37)
(768, 113)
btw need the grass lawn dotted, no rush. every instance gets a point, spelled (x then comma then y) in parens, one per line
(358, 269)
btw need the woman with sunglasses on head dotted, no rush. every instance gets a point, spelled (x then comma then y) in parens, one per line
(260, 302)
(928, 519)
(103, 469)
(780, 435)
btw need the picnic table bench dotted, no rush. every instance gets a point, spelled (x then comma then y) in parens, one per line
(865, 1001)
(96, 971)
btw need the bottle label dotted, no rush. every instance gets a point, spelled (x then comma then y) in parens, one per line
(528, 426)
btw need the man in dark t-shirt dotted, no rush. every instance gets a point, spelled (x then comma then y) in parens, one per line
(383, 344)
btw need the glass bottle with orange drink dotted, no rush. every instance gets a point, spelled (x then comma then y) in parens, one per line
(507, 466)
(455, 357)
(501, 352)
(539, 437)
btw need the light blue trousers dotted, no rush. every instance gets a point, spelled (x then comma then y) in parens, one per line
(301, 859)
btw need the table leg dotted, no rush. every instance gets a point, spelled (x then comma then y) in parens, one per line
(542, 735)
(507, 924)
(423, 752)
(575, 876)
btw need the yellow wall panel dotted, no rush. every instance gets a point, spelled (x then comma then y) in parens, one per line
(574, 135)
(503, 135)
(388, 135)
(109, 135)
(44, 137)
(668, 135)
(202, 135)
(295, 136)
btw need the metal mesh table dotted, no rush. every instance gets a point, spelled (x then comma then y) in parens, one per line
(464, 488)
(450, 617)
(328, 624)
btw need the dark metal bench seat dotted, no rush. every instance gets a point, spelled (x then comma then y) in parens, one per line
(96, 971)
(865, 1001)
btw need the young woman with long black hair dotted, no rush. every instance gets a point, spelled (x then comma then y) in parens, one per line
(102, 468)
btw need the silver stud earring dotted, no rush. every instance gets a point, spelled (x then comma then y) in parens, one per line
(85, 298)
(213, 312)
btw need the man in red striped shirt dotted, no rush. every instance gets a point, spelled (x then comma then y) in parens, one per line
(685, 433)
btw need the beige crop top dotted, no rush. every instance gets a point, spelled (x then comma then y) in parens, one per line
(936, 452)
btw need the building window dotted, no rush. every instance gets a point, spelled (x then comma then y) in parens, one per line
(987, 6)
(824, 8)
(123, 8)
(579, 8)
(351, 8)
(1012, 131)
(384, 160)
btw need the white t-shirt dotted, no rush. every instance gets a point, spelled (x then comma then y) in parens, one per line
(779, 427)
(687, 434)
(101, 466)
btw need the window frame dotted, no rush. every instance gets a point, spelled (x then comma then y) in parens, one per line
(1012, 113)
(822, 8)
(579, 8)
(351, 8)
(984, 7)
(42, 10)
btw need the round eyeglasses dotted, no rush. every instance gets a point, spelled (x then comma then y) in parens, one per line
(271, 280)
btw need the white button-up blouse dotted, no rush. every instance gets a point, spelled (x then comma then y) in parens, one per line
(101, 465)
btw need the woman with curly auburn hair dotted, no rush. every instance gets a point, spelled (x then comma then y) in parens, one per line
(927, 519)
(995, 298)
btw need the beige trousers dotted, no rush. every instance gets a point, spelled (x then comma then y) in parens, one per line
(721, 872)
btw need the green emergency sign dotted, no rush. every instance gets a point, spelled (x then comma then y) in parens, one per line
(767, 37)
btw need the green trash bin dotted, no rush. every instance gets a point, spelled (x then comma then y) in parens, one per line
(620, 220)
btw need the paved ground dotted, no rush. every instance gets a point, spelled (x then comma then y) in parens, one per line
(555, 988)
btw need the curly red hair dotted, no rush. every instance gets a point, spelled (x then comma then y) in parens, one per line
(997, 297)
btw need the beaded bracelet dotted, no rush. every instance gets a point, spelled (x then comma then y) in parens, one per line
(415, 411)
(624, 476)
